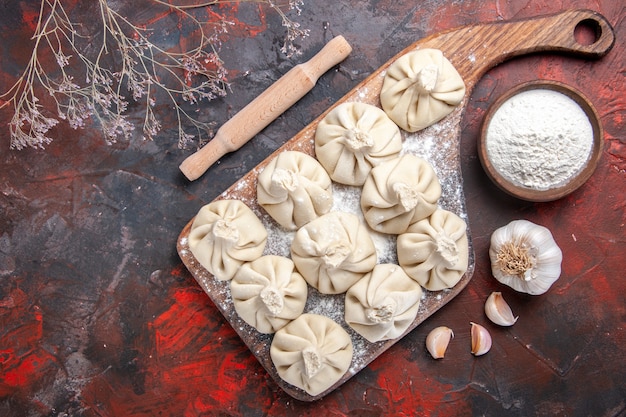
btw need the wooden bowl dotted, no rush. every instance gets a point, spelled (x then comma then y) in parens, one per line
(532, 194)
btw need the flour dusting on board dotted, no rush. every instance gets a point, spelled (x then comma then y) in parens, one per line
(438, 144)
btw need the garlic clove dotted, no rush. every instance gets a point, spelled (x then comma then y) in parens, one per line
(498, 311)
(481, 339)
(437, 341)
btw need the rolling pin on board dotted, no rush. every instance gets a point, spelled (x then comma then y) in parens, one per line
(261, 111)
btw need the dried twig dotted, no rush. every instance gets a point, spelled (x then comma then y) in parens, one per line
(126, 65)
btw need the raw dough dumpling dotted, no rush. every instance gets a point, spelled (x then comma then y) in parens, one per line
(398, 193)
(294, 188)
(268, 293)
(312, 353)
(225, 234)
(353, 138)
(420, 88)
(435, 251)
(383, 304)
(333, 252)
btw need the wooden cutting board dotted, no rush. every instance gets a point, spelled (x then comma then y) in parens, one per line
(472, 50)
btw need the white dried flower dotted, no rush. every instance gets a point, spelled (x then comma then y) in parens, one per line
(192, 75)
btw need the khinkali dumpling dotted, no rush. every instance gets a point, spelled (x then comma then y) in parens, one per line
(420, 88)
(399, 192)
(268, 293)
(294, 188)
(383, 304)
(225, 234)
(435, 251)
(333, 252)
(312, 353)
(353, 138)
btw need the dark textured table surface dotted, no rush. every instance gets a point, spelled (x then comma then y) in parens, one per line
(98, 315)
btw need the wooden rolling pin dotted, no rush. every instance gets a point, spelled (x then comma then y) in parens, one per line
(261, 111)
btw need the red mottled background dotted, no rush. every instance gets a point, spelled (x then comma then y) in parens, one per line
(98, 316)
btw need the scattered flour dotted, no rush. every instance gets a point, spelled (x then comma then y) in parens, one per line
(439, 146)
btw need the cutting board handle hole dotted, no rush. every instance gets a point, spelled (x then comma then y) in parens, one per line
(587, 32)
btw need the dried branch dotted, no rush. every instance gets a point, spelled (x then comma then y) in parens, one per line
(126, 66)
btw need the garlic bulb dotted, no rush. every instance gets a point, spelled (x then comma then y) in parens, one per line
(437, 341)
(498, 311)
(525, 257)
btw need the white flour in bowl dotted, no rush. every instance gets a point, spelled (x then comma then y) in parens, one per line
(539, 139)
